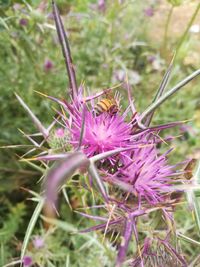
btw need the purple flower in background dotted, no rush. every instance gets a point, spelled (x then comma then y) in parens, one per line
(120, 75)
(23, 22)
(102, 5)
(27, 261)
(149, 12)
(151, 58)
(133, 76)
(17, 6)
(38, 242)
(50, 16)
(48, 65)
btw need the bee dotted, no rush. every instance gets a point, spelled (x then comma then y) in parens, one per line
(109, 104)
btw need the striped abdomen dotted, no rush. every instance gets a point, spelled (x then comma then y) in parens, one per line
(106, 105)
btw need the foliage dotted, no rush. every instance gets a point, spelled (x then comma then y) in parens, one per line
(11, 226)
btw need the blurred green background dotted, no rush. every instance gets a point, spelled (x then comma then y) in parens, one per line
(108, 39)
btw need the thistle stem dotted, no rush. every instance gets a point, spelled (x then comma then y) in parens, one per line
(66, 50)
(167, 27)
(183, 37)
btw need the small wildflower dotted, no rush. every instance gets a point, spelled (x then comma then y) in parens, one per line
(50, 16)
(27, 261)
(23, 22)
(48, 65)
(59, 139)
(17, 6)
(38, 242)
(151, 58)
(102, 5)
(149, 12)
(133, 76)
(120, 75)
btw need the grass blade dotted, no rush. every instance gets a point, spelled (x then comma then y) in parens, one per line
(163, 98)
(30, 227)
(188, 239)
(161, 89)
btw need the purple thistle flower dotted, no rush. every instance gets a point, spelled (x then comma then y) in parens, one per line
(101, 133)
(50, 16)
(151, 58)
(149, 12)
(23, 22)
(102, 5)
(27, 261)
(17, 6)
(147, 174)
(38, 242)
(48, 65)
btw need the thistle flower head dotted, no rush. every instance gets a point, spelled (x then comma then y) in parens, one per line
(23, 22)
(48, 65)
(27, 261)
(149, 11)
(38, 242)
(101, 133)
(59, 140)
(146, 173)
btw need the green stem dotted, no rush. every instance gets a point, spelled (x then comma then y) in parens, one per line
(184, 35)
(167, 27)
